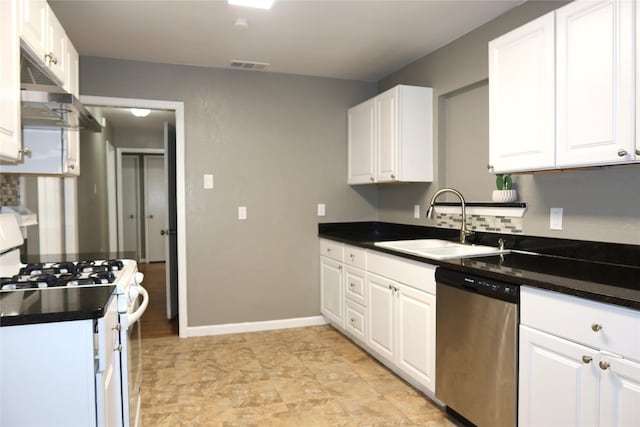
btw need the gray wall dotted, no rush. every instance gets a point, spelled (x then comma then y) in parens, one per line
(601, 205)
(275, 143)
(138, 138)
(93, 219)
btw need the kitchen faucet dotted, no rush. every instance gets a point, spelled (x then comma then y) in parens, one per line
(463, 229)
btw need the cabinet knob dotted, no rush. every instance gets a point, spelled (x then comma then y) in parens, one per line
(118, 327)
(393, 176)
(351, 285)
(339, 267)
(637, 151)
(587, 359)
(51, 58)
(596, 327)
(328, 249)
(622, 153)
(72, 166)
(352, 320)
(604, 365)
(371, 179)
(352, 256)
(490, 168)
(118, 348)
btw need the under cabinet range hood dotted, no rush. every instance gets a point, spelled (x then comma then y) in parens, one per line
(47, 105)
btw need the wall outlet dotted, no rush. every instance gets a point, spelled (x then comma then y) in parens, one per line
(555, 218)
(416, 211)
(208, 181)
(321, 209)
(242, 212)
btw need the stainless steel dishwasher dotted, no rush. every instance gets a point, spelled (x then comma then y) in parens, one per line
(476, 347)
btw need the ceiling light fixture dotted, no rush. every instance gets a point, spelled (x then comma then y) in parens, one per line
(258, 4)
(140, 112)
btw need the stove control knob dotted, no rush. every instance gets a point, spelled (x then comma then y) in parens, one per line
(133, 293)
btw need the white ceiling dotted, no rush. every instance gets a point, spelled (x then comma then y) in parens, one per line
(349, 39)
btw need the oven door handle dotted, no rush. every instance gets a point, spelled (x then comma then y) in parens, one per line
(133, 317)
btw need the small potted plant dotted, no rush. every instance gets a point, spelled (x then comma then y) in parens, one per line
(504, 193)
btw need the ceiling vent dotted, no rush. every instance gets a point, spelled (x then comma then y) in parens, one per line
(248, 65)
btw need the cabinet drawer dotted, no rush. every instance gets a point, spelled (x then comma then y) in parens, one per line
(356, 257)
(331, 249)
(598, 325)
(416, 274)
(355, 285)
(355, 320)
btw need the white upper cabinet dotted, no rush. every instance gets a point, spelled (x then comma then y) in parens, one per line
(595, 81)
(361, 147)
(637, 80)
(10, 144)
(521, 96)
(562, 90)
(391, 137)
(43, 35)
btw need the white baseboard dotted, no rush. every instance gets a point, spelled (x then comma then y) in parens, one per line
(234, 328)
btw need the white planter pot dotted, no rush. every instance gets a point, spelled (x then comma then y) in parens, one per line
(504, 196)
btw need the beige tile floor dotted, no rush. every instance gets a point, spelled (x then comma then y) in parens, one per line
(293, 377)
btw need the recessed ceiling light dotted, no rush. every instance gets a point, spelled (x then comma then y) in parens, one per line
(140, 112)
(258, 4)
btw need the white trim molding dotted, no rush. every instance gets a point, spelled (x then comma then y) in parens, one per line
(178, 107)
(267, 325)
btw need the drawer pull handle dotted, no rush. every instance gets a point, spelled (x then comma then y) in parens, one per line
(604, 365)
(596, 327)
(587, 359)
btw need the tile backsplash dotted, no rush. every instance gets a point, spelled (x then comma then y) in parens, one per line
(9, 190)
(486, 223)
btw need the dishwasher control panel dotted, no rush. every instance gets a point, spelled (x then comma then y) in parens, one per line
(489, 287)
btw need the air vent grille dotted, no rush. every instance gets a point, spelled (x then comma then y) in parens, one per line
(248, 65)
(31, 73)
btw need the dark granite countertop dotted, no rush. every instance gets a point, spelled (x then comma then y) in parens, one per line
(604, 272)
(27, 307)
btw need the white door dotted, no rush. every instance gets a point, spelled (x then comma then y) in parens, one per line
(155, 208)
(558, 381)
(331, 293)
(619, 392)
(521, 98)
(381, 325)
(387, 135)
(595, 81)
(416, 319)
(361, 143)
(130, 205)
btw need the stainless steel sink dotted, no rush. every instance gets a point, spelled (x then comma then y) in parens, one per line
(439, 249)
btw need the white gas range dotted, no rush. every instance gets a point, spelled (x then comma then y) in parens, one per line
(85, 316)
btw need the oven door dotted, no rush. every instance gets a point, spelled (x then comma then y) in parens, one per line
(131, 358)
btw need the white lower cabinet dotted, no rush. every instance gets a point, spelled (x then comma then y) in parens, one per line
(571, 374)
(386, 304)
(331, 290)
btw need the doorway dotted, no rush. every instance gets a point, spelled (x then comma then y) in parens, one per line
(176, 294)
(144, 206)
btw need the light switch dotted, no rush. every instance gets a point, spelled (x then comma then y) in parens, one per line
(416, 211)
(208, 181)
(555, 218)
(321, 209)
(242, 212)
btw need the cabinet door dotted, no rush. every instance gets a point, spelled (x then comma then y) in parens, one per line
(9, 82)
(387, 135)
(331, 292)
(619, 392)
(558, 381)
(56, 47)
(361, 143)
(521, 98)
(33, 28)
(416, 326)
(595, 101)
(380, 306)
